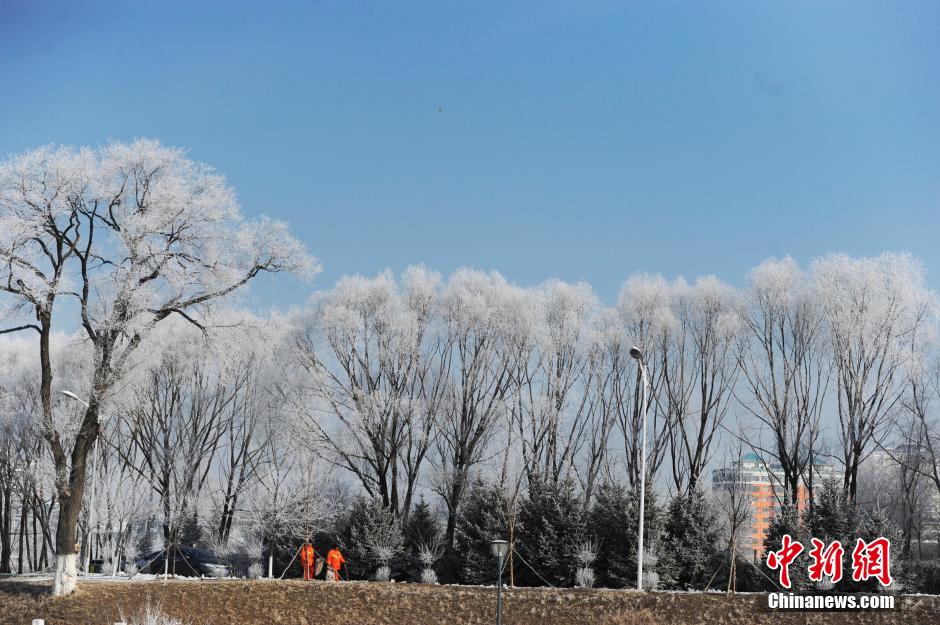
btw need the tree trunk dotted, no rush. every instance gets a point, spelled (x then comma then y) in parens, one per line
(6, 512)
(22, 538)
(34, 564)
(70, 507)
(456, 493)
(30, 564)
(851, 478)
(69, 483)
(66, 542)
(733, 566)
(44, 515)
(512, 548)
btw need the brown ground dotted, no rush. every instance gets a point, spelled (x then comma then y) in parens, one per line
(361, 603)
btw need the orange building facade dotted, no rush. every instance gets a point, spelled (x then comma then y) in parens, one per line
(761, 482)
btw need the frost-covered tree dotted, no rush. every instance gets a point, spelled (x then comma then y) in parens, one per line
(786, 370)
(16, 447)
(906, 479)
(478, 311)
(691, 337)
(604, 404)
(872, 306)
(247, 353)
(26, 470)
(700, 368)
(371, 379)
(552, 388)
(174, 425)
(294, 499)
(196, 419)
(128, 235)
(917, 432)
(645, 314)
(123, 503)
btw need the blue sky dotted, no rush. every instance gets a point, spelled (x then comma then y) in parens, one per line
(581, 140)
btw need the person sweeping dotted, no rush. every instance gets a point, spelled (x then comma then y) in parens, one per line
(334, 562)
(308, 561)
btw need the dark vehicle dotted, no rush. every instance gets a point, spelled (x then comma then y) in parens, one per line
(186, 561)
(98, 565)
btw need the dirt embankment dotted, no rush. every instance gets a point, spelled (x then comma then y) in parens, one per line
(360, 603)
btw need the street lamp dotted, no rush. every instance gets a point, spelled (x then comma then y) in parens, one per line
(92, 521)
(499, 549)
(638, 356)
(72, 395)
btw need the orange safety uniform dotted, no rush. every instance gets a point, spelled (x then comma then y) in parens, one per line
(307, 560)
(335, 560)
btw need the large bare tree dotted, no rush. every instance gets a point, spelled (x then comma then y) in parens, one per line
(553, 394)
(644, 311)
(786, 370)
(694, 339)
(872, 306)
(372, 380)
(917, 428)
(176, 427)
(478, 311)
(129, 234)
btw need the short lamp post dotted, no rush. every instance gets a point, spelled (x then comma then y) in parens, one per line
(500, 549)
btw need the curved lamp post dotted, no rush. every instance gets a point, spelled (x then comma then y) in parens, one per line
(499, 549)
(638, 356)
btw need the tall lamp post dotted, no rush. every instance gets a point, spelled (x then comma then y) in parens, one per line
(500, 549)
(638, 356)
(92, 520)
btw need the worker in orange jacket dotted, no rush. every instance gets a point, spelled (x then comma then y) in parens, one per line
(335, 561)
(307, 560)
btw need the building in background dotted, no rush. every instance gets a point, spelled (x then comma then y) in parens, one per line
(762, 482)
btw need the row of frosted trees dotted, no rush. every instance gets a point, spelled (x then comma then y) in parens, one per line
(194, 421)
(254, 434)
